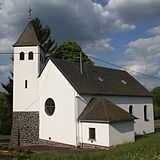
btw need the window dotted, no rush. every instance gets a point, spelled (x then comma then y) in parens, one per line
(123, 81)
(30, 55)
(26, 84)
(92, 134)
(100, 79)
(131, 109)
(145, 113)
(49, 106)
(21, 56)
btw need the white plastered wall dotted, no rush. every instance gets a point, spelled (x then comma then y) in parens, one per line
(141, 126)
(25, 99)
(120, 133)
(107, 134)
(61, 126)
(101, 133)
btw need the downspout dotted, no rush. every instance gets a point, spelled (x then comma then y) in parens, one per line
(76, 121)
(81, 135)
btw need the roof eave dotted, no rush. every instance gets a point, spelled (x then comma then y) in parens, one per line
(105, 121)
(103, 94)
(14, 45)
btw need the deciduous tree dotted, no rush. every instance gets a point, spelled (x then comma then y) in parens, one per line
(71, 51)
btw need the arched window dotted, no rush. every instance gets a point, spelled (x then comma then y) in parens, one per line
(49, 106)
(21, 57)
(30, 55)
(131, 109)
(145, 113)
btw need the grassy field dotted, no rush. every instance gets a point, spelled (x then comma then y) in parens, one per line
(146, 148)
(5, 138)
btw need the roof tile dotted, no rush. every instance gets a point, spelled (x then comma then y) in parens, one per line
(100, 81)
(102, 110)
(28, 37)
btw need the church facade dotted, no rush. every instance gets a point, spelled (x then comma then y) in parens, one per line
(55, 103)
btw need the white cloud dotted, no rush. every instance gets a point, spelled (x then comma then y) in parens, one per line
(3, 68)
(6, 45)
(133, 11)
(81, 21)
(143, 56)
(154, 30)
(145, 47)
(98, 46)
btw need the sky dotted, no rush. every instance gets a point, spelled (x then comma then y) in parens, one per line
(123, 32)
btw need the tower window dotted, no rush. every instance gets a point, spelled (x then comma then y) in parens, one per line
(92, 133)
(30, 55)
(131, 109)
(26, 84)
(21, 56)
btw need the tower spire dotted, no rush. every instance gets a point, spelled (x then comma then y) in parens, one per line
(30, 12)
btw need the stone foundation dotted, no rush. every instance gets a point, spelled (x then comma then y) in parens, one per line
(84, 145)
(55, 144)
(92, 146)
(25, 128)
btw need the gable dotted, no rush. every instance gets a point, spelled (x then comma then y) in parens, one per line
(50, 75)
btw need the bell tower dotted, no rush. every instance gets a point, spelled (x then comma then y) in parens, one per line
(27, 64)
(28, 59)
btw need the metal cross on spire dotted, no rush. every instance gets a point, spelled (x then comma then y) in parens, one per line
(30, 12)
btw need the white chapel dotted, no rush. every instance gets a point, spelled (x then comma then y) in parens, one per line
(54, 103)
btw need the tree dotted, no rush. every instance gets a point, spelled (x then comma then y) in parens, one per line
(5, 115)
(71, 51)
(156, 102)
(6, 110)
(9, 88)
(44, 37)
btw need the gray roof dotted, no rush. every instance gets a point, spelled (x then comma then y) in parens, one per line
(28, 37)
(100, 81)
(102, 110)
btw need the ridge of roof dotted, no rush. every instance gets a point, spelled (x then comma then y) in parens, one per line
(28, 37)
(97, 80)
(101, 110)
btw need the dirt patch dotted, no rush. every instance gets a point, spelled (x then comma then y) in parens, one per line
(4, 147)
(56, 150)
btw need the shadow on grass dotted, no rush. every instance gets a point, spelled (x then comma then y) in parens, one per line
(144, 136)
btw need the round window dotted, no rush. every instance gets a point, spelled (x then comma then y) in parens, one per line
(49, 106)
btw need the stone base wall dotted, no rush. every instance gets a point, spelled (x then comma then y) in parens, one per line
(25, 128)
(92, 146)
(55, 144)
(84, 145)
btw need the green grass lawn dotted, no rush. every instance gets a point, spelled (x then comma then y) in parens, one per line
(146, 148)
(4, 138)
